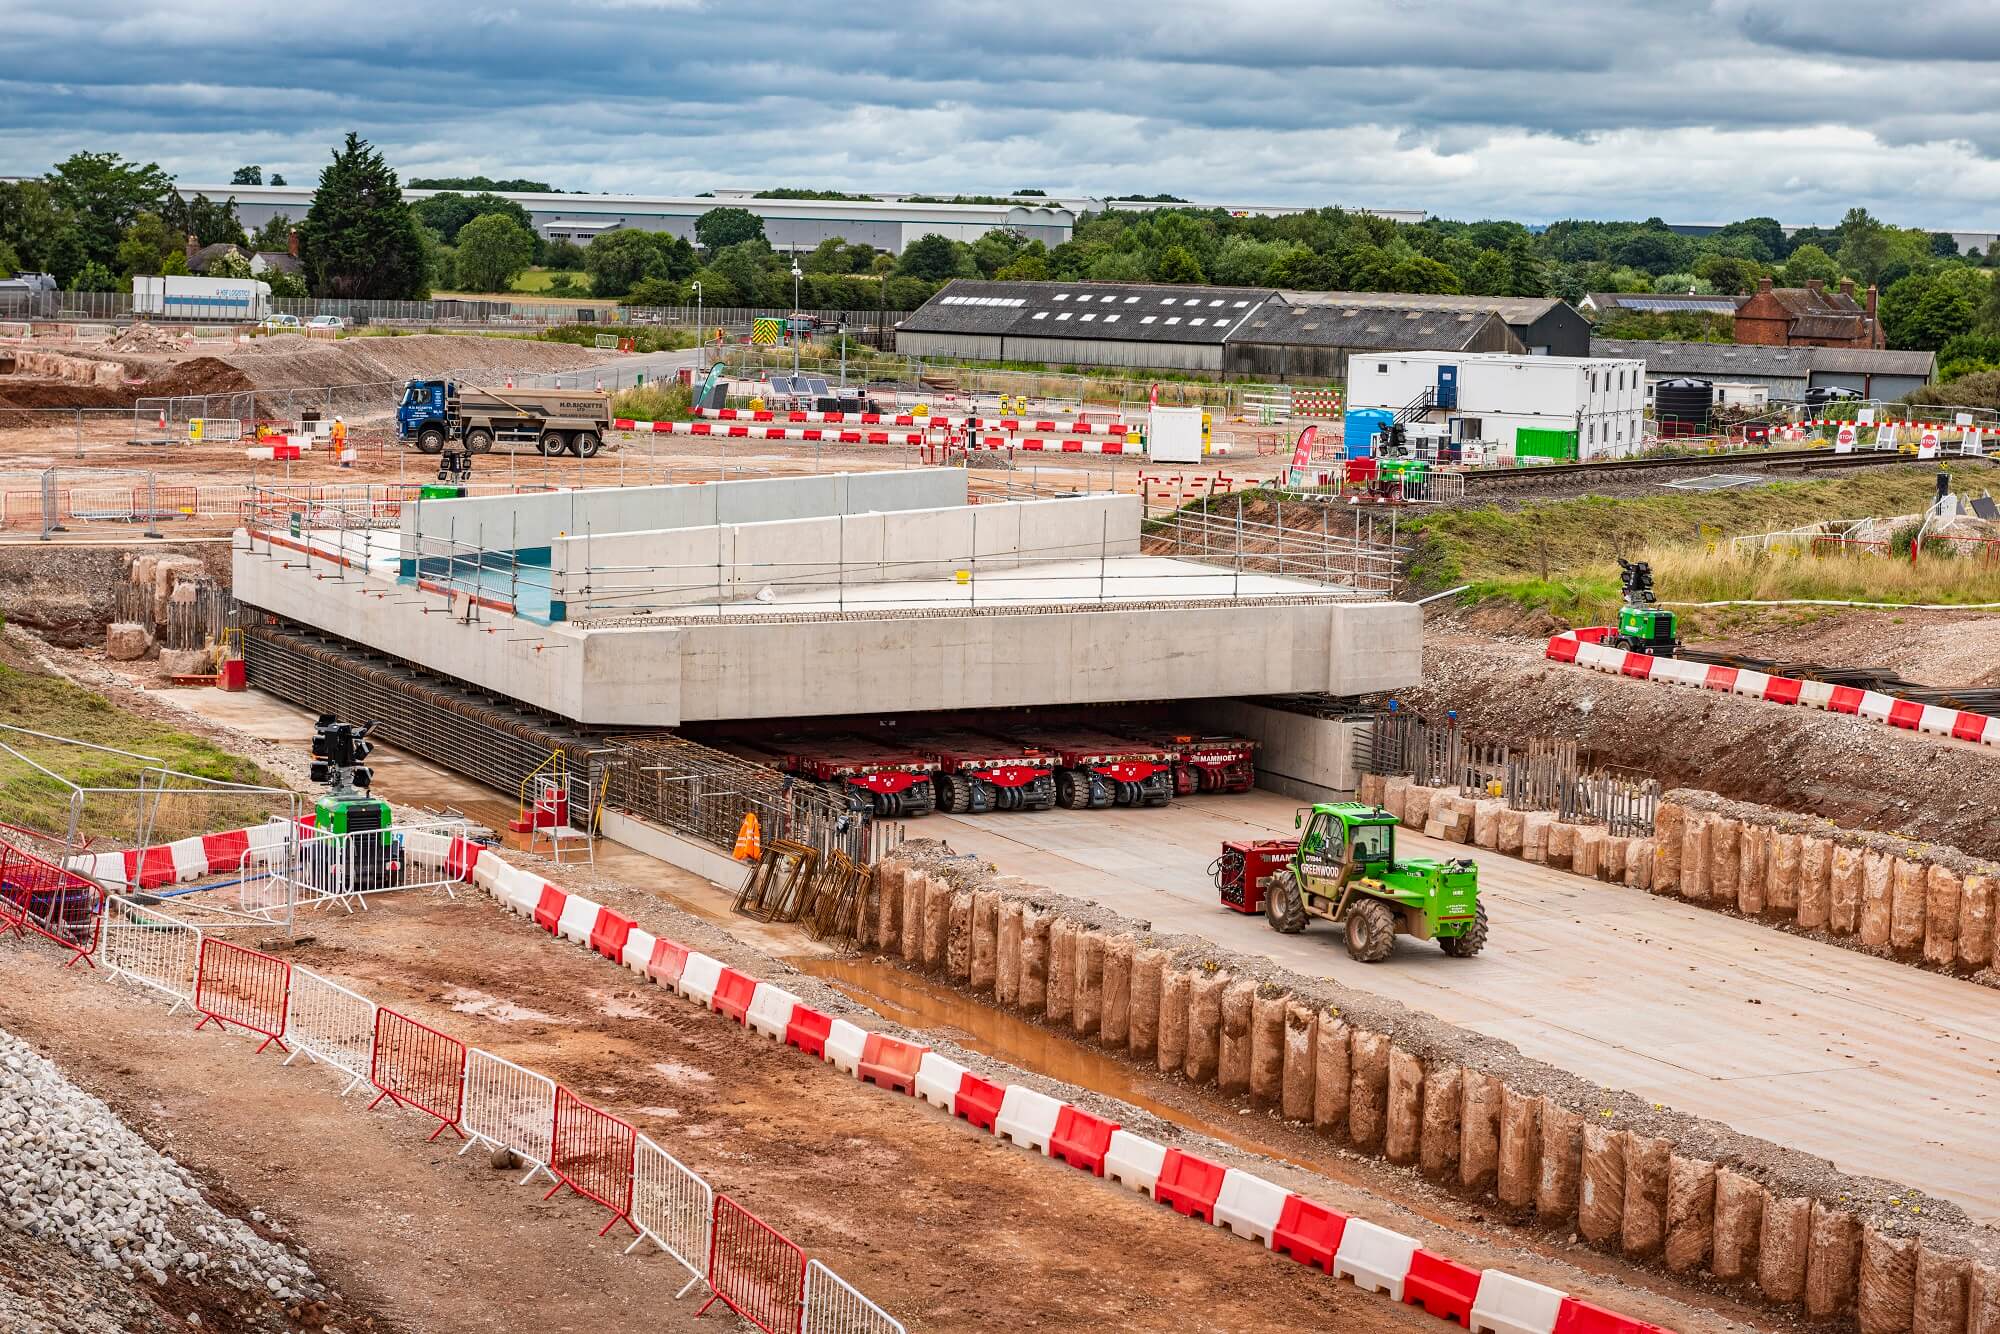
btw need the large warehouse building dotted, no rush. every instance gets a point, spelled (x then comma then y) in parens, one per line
(1235, 331)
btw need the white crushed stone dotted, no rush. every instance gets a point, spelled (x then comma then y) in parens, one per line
(74, 1174)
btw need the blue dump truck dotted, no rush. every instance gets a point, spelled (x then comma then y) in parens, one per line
(552, 421)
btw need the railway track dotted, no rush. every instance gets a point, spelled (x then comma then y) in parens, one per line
(1579, 478)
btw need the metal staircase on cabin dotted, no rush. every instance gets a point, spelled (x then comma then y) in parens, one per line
(1417, 407)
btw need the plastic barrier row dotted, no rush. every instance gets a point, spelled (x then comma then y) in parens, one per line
(759, 1273)
(485, 1099)
(1002, 423)
(841, 437)
(1586, 649)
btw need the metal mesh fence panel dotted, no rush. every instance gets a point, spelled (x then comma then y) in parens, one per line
(594, 1156)
(234, 985)
(672, 1206)
(754, 1270)
(416, 1066)
(835, 1306)
(156, 951)
(331, 1024)
(508, 1106)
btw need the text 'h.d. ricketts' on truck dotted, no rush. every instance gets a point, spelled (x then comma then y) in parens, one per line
(554, 421)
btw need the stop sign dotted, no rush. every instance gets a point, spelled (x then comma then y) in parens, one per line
(1846, 436)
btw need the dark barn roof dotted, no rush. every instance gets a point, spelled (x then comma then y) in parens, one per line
(1125, 312)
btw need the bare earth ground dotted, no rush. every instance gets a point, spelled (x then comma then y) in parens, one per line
(912, 1208)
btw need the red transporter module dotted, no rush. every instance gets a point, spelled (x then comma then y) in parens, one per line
(895, 782)
(1096, 769)
(1203, 763)
(1239, 872)
(979, 773)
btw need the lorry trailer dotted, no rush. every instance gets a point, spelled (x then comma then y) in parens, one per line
(433, 413)
(1095, 769)
(1203, 763)
(978, 773)
(185, 297)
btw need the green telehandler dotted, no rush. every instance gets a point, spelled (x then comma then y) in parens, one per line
(1345, 870)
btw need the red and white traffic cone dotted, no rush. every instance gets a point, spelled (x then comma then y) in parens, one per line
(600, 384)
(163, 419)
(510, 382)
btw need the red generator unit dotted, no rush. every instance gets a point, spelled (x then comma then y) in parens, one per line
(1239, 872)
(976, 774)
(1205, 763)
(1096, 770)
(894, 783)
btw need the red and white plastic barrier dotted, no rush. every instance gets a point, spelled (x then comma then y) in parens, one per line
(838, 437)
(1002, 423)
(1586, 648)
(1246, 1205)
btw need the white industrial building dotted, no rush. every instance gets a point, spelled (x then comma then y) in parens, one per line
(1500, 406)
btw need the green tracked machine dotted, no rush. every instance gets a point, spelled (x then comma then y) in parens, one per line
(1643, 625)
(355, 848)
(1345, 870)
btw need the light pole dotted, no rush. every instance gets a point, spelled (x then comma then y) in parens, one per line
(700, 334)
(794, 322)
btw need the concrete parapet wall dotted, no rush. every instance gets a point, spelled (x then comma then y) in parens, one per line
(1299, 754)
(1468, 1112)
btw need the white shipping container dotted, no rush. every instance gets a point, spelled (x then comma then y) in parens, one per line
(1602, 400)
(1174, 435)
(187, 297)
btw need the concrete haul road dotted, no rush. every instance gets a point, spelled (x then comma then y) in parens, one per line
(1885, 1069)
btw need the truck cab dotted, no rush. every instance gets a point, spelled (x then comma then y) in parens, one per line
(426, 413)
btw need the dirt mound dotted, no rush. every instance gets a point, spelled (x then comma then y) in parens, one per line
(1857, 773)
(144, 337)
(198, 375)
(288, 361)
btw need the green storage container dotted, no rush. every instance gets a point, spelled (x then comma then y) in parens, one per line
(1531, 442)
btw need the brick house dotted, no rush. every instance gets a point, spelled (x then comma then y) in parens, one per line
(1808, 316)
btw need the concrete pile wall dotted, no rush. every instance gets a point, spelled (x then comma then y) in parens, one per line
(1469, 1113)
(1920, 903)
(1923, 904)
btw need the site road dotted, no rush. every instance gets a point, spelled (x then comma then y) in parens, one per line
(1882, 1068)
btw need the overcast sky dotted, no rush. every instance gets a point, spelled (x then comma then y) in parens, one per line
(1694, 110)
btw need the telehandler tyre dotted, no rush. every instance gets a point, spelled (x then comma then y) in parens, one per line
(1371, 931)
(1469, 944)
(1282, 908)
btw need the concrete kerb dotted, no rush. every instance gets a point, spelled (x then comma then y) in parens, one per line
(1526, 1130)
(1247, 1205)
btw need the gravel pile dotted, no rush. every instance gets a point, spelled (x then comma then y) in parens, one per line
(72, 1173)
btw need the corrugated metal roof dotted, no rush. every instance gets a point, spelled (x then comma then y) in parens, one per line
(1124, 312)
(1382, 327)
(1513, 309)
(1726, 359)
(1665, 302)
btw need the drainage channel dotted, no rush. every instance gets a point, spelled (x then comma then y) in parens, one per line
(925, 1006)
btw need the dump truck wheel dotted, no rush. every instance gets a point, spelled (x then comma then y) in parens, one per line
(479, 441)
(1371, 931)
(431, 441)
(1282, 908)
(551, 444)
(586, 444)
(1469, 944)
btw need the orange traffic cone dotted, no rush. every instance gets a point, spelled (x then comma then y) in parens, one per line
(749, 840)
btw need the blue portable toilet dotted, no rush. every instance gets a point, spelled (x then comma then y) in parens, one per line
(1360, 427)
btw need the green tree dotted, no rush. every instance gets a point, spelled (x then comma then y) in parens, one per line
(145, 246)
(930, 257)
(716, 289)
(1301, 270)
(1120, 266)
(618, 259)
(722, 227)
(248, 176)
(30, 224)
(1728, 273)
(1864, 245)
(829, 256)
(446, 213)
(230, 264)
(1765, 237)
(748, 269)
(1808, 262)
(1177, 264)
(654, 292)
(493, 250)
(360, 240)
(1926, 311)
(564, 254)
(1026, 269)
(10, 263)
(93, 277)
(274, 235)
(277, 179)
(208, 222)
(477, 183)
(1527, 275)
(101, 194)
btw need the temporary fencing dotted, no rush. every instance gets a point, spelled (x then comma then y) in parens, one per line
(414, 1065)
(49, 901)
(672, 1207)
(154, 950)
(239, 986)
(594, 1156)
(509, 1108)
(331, 1025)
(754, 1270)
(834, 1306)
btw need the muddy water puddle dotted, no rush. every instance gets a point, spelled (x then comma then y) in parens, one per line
(920, 1004)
